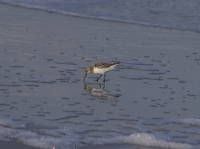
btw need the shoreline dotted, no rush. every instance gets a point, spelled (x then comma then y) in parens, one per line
(93, 18)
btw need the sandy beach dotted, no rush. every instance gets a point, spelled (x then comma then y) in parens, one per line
(43, 57)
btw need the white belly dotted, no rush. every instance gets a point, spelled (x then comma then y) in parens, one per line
(103, 70)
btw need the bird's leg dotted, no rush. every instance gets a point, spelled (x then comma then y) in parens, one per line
(104, 78)
(84, 77)
(99, 78)
(85, 85)
(103, 86)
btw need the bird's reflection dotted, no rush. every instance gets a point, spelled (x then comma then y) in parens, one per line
(100, 92)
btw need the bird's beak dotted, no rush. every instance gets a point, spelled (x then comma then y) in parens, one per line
(84, 77)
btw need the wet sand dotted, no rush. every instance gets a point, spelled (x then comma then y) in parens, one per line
(43, 56)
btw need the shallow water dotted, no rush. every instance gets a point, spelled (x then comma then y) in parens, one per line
(171, 14)
(151, 99)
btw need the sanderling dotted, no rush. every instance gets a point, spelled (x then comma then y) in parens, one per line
(100, 68)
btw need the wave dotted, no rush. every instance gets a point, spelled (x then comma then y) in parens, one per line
(80, 136)
(124, 18)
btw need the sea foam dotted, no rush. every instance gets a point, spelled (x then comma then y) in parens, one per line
(145, 139)
(76, 136)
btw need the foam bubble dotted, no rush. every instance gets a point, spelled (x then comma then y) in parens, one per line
(12, 123)
(189, 121)
(150, 140)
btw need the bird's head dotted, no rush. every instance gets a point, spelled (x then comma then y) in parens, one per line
(87, 70)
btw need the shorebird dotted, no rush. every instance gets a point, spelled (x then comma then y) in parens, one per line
(100, 68)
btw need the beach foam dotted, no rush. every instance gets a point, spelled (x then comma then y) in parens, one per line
(76, 136)
(145, 139)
